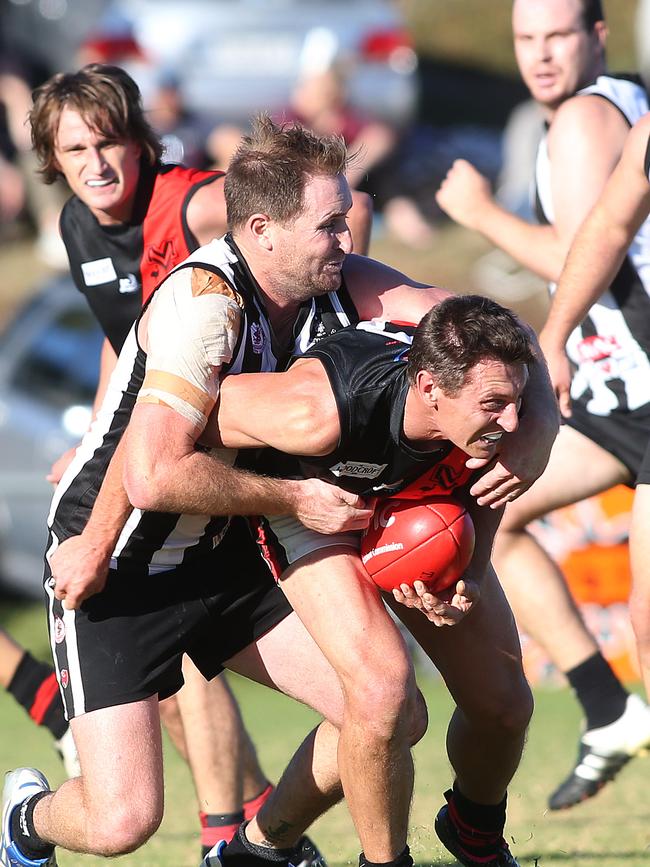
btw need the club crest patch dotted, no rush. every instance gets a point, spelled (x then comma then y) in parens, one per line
(257, 338)
(59, 630)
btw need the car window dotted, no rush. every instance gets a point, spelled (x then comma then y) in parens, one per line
(61, 365)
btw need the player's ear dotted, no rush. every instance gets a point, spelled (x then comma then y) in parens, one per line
(427, 387)
(259, 226)
(601, 33)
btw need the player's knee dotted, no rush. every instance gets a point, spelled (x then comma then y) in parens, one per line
(504, 709)
(508, 711)
(125, 828)
(385, 703)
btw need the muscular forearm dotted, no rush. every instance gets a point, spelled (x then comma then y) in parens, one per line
(111, 508)
(200, 483)
(540, 418)
(537, 248)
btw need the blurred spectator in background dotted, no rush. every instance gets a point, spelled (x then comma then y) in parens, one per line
(183, 132)
(22, 191)
(560, 50)
(319, 101)
(36, 40)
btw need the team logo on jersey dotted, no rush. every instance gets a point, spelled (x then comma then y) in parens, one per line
(257, 338)
(64, 677)
(59, 630)
(598, 347)
(163, 254)
(128, 284)
(322, 331)
(99, 271)
(357, 469)
(444, 477)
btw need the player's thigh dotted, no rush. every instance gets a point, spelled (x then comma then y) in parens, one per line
(288, 659)
(578, 468)
(120, 752)
(480, 657)
(344, 612)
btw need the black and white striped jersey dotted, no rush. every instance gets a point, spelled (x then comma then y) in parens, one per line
(154, 541)
(611, 347)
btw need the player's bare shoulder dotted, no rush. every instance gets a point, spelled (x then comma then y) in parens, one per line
(587, 117)
(379, 291)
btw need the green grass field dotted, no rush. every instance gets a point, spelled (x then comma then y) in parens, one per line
(610, 831)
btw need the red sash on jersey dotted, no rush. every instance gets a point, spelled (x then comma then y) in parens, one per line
(165, 232)
(442, 478)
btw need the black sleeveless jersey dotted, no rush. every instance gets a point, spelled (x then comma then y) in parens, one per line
(117, 267)
(366, 367)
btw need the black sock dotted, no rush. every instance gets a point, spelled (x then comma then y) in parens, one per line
(34, 686)
(23, 833)
(479, 827)
(490, 818)
(240, 849)
(402, 860)
(599, 691)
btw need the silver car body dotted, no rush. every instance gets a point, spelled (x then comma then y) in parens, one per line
(49, 364)
(234, 58)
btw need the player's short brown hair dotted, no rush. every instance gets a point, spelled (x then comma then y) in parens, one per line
(271, 167)
(462, 331)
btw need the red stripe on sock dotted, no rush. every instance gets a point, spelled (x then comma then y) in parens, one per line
(43, 698)
(251, 808)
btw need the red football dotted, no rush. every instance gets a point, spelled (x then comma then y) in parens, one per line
(428, 540)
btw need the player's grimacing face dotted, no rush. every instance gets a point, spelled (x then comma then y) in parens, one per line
(310, 251)
(556, 55)
(484, 409)
(103, 172)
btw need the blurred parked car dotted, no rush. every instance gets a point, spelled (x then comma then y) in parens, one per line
(234, 58)
(49, 365)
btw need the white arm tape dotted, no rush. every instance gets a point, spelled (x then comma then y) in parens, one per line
(192, 331)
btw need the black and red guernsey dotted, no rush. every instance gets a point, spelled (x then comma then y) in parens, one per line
(117, 267)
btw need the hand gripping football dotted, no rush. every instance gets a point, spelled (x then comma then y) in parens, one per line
(429, 540)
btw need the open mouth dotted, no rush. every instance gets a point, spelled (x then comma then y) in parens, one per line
(104, 182)
(545, 79)
(491, 439)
